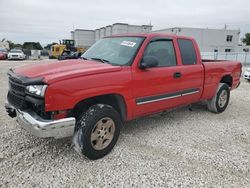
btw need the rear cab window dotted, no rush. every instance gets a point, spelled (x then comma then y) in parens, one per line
(187, 50)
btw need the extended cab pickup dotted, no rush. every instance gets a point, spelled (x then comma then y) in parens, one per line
(118, 79)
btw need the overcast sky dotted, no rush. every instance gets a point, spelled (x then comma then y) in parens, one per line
(48, 21)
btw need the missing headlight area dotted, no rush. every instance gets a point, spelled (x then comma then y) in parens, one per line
(27, 97)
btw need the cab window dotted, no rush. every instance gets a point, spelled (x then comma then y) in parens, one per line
(188, 54)
(163, 50)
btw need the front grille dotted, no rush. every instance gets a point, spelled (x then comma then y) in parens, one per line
(16, 100)
(16, 94)
(17, 88)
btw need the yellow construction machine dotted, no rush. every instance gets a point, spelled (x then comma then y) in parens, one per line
(66, 46)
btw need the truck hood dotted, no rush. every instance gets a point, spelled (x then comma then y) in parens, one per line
(60, 70)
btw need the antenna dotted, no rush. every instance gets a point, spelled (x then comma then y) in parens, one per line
(225, 27)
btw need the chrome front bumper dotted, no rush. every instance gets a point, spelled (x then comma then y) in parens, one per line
(42, 128)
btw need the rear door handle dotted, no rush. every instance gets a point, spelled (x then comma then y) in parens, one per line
(177, 75)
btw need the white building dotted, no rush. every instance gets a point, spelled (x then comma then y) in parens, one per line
(243, 48)
(209, 40)
(4, 44)
(85, 38)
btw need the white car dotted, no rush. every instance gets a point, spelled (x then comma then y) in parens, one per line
(16, 54)
(247, 74)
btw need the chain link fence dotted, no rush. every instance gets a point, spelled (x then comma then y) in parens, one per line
(243, 57)
(43, 54)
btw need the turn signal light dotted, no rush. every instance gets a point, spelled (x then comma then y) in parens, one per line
(59, 114)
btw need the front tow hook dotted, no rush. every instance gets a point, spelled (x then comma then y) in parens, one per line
(10, 110)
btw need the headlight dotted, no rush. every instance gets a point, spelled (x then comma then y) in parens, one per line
(38, 90)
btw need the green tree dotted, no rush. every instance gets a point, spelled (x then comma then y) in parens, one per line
(13, 45)
(32, 46)
(246, 40)
(38, 46)
(49, 45)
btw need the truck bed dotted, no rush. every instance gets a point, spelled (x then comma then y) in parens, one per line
(215, 70)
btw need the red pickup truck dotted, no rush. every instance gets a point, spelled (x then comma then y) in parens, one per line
(118, 79)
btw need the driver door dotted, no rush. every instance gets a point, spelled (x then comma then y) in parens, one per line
(155, 89)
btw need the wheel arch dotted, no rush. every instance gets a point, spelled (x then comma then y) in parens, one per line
(117, 101)
(227, 79)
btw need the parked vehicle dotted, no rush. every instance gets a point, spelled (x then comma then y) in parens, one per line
(118, 79)
(247, 74)
(70, 55)
(3, 53)
(16, 54)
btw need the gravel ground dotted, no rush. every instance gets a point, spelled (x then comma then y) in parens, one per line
(179, 148)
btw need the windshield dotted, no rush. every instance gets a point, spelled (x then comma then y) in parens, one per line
(114, 50)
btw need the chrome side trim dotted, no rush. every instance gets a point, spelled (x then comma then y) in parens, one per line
(172, 96)
(190, 93)
(156, 100)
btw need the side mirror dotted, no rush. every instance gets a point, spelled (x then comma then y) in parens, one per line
(148, 62)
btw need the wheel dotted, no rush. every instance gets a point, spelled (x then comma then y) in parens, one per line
(97, 131)
(220, 101)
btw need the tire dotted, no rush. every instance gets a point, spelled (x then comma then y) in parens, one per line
(220, 101)
(97, 131)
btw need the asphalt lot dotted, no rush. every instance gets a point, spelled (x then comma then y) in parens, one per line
(178, 148)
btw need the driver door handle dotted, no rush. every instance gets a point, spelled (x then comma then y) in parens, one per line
(177, 75)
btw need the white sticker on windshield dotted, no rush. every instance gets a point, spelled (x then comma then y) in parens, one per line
(128, 43)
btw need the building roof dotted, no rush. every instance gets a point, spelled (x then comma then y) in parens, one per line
(111, 26)
(213, 29)
(84, 30)
(150, 35)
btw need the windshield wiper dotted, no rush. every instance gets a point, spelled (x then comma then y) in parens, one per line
(84, 58)
(100, 59)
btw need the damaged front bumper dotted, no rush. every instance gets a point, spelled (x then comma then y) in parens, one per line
(42, 128)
